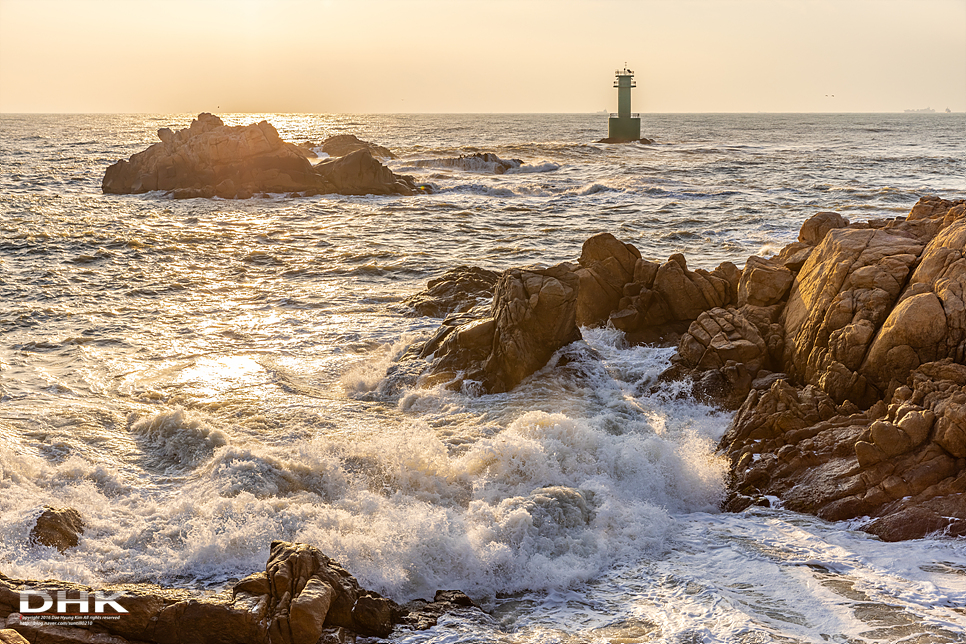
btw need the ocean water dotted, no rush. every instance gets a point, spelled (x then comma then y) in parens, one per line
(201, 377)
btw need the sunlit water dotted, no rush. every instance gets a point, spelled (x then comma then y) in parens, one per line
(201, 377)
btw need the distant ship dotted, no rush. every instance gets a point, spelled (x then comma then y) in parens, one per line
(947, 111)
(925, 110)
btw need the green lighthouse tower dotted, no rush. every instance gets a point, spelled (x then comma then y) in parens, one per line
(624, 126)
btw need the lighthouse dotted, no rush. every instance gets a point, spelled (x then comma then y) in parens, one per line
(624, 126)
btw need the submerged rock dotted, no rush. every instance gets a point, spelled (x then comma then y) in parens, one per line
(477, 162)
(58, 527)
(210, 159)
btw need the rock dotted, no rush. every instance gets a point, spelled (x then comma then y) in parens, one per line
(10, 636)
(456, 291)
(477, 162)
(343, 144)
(421, 614)
(928, 322)
(211, 159)
(763, 283)
(606, 265)
(58, 527)
(842, 295)
(890, 463)
(532, 316)
(359, 173)
(815, 228)
(725, 342)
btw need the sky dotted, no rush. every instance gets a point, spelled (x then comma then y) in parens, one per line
(504, 56)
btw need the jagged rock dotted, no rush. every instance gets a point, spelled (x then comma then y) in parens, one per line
(660, 303)
(456, 291)
(928, 322)
(343, 144)
(815, 228)
(421, 614)
(211, 159)
(894, 463)
(532, 316)
(723, 351)
(842, 295)
(58, 527)
(763, 283)
(606, 266)
(359, 173)
(10, 636)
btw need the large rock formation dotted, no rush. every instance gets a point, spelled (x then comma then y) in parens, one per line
(302, 597)
(867, 416)
(211, 159)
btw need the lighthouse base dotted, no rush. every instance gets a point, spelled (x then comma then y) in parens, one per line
(624, 129)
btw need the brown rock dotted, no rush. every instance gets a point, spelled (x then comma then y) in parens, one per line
(532, 316)
(815, 228)
(840, 298)
(359, 173)
(343, 144)
(606, 266)
(209, 159)
(456, 291)
(58, 527)
(763, 283)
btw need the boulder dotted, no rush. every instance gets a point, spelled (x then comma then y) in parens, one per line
(211, 159)
(763, 282)
(724, 350)
(815, 228)
(663, 300)
(456, 291)
(928, 322)
(58, 527)
(359, 173)
(532, 316)
(606, 266)
(343, 144)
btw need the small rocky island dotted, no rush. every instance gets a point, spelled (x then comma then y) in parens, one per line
(844, 356)
(211, 159)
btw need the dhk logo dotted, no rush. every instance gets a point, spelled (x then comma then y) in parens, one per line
(82, 602)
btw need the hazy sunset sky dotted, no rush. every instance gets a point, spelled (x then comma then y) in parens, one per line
(324, 56)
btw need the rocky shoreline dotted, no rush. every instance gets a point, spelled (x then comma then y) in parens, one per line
(302, 597)
(844, 356)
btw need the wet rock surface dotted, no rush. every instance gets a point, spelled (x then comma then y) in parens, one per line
(301, 597)
(58, 527)
(210, 159)
(456, 291)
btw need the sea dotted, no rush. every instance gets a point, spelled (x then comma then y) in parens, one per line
(201, 377)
